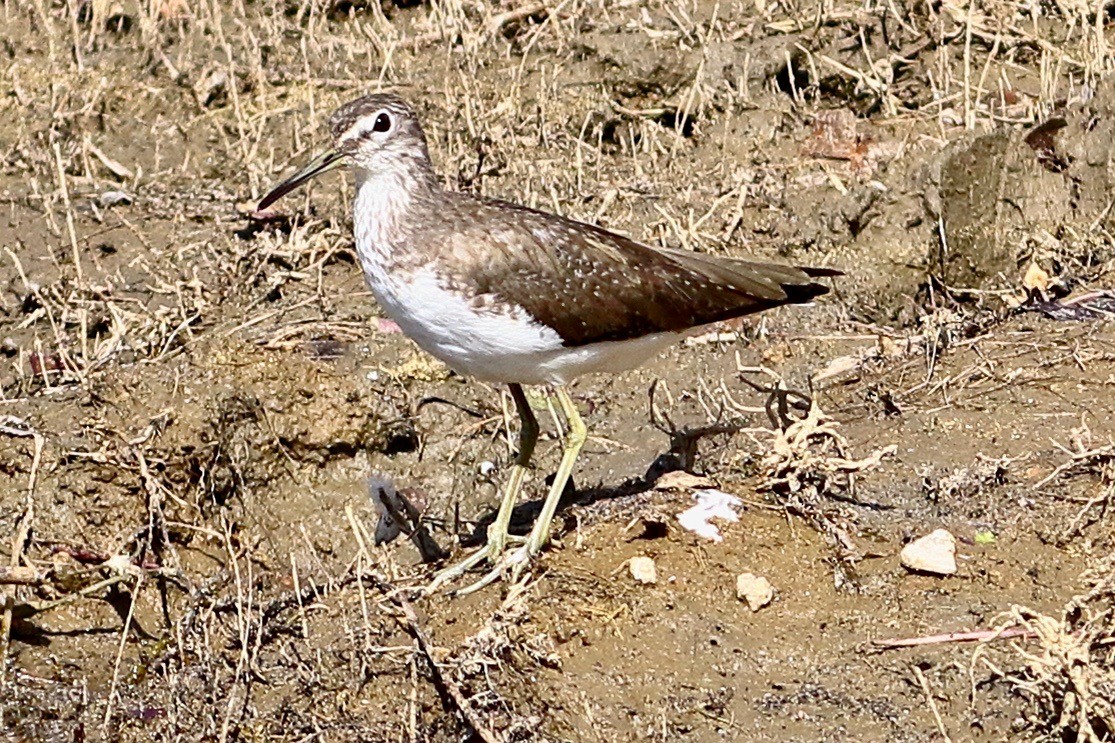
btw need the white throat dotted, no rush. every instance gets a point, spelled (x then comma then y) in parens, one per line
(382, 201)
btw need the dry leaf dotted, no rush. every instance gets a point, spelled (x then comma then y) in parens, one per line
(1036, 278)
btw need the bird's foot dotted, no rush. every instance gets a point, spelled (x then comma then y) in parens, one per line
(494, 552)
(510, 566)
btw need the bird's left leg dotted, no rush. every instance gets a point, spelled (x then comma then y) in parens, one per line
(574, 440)
(497, 530)
(518, 559)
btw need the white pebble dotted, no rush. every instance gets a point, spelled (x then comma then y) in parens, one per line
(643, 570)
(934, 553)
(754, 589)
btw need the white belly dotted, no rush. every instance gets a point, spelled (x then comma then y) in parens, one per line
(493, 345)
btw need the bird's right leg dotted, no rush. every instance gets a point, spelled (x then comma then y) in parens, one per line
(497, 531)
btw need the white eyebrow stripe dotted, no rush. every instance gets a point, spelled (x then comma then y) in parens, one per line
(353, 131)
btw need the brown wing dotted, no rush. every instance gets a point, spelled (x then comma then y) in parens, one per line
(591, 285)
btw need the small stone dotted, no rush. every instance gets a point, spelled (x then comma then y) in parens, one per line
(643, 570)
(681, 480)
(934, 553)
(114, 198)
(754, 589)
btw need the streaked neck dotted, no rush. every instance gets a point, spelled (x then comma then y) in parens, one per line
(384, 213)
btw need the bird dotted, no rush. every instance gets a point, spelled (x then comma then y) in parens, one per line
(511, 295)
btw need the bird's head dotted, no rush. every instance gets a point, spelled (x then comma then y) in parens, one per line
(377, 134)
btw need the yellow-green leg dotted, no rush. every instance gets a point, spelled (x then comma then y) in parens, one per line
(574, 440)
(497, 531)
(540, 534)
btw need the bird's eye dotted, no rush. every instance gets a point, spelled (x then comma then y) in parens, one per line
(382, 123)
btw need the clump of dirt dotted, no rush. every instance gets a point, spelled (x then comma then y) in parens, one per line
(1007, 199)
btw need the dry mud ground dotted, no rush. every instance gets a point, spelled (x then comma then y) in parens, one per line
(192, 400)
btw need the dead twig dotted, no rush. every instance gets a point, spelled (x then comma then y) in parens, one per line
(17, 427)
(28, 609)
(984, 635)
(446, 684)
(20, 575)
(1089, 457)
(924, 683)
(514, 16)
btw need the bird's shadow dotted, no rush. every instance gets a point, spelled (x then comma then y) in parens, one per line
(681, 455)
(783, 408)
